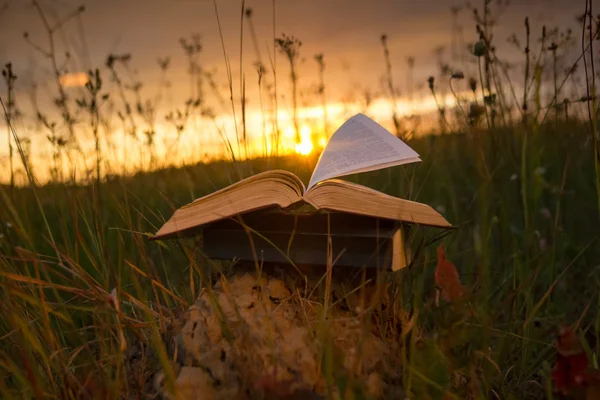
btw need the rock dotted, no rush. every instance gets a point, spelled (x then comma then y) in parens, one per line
(193, 383)
(251, 337)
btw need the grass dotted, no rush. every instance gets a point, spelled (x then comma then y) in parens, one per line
(59, 326)
(81, 284)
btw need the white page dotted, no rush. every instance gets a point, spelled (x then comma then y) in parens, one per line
(360, 145)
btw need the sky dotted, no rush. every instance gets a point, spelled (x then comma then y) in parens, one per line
(347, 32)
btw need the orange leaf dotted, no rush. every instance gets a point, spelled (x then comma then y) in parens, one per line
(446, 278)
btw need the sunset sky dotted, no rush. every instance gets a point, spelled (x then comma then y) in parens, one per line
(347, 32)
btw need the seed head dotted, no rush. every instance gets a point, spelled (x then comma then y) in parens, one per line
(473, 84)
(431, 81)
(490, 100)
(479, 49)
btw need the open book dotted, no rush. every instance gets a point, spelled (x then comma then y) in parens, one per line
(359, 145)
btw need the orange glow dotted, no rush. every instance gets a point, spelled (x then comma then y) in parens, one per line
(75, 79)
(305, 147)
(266, 137)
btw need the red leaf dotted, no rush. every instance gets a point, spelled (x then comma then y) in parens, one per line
(446, 277)
(570, 370)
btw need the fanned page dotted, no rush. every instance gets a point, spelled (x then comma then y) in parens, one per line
(281, 188)
(342, 196)
(360, 145)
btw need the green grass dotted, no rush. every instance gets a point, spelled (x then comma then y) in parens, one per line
(535, 265)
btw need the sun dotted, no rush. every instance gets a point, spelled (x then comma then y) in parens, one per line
(305, 147)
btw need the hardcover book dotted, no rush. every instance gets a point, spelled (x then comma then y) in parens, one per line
(362, 214)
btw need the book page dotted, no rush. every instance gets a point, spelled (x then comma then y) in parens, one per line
(347, 197)
(263, 190)
(360, 145)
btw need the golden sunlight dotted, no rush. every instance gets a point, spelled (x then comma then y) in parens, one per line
(262, 139)
(305, 147)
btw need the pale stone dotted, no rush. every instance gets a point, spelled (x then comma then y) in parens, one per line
(248, 336)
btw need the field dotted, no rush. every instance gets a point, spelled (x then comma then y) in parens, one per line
(81, 284)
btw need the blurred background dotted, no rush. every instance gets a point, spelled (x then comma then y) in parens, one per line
(182, 81)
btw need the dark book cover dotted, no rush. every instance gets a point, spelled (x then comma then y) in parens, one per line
(302, 236)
